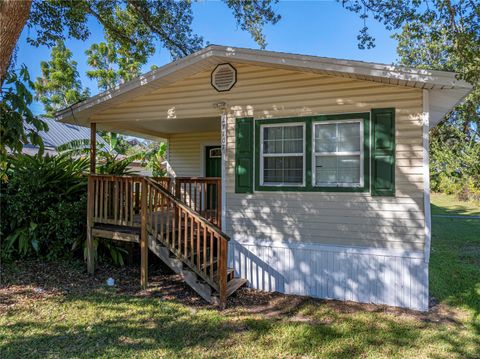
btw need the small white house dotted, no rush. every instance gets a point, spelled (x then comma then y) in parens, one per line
(323, 162)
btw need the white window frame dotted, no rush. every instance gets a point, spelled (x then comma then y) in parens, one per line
(345, 153)
(263, 155)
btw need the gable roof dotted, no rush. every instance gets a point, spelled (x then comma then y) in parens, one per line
(445, 90)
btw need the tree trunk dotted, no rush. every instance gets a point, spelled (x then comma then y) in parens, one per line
(13, 16)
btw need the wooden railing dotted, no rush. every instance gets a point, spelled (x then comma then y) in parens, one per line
(194, 240)
(185, 223)
(117, 199)
(202, 194)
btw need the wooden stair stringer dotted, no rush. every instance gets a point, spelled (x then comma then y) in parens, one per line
(198, 285)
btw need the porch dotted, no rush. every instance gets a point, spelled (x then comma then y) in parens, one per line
(178, 218)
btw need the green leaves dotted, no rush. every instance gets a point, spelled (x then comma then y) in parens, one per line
(43, 205)
(15, 114)
(134, 27)
(454, 26)
(59, 86)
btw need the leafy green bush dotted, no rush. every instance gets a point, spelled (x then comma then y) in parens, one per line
(43, 205)
(43, 209)
(455, 163)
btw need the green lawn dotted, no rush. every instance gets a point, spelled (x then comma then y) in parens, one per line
(446, 204)
(75, 316)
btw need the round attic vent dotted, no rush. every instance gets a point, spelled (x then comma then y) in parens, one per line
(224, 77)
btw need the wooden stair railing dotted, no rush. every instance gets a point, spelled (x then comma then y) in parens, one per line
(144, 210)
(198, 243)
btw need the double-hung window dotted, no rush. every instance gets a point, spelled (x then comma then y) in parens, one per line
(282, 154)
(338, 153)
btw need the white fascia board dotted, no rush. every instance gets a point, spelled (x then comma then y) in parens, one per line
(309, 63)
(149, 81)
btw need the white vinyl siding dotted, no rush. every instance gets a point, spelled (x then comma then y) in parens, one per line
(186, 152)
(346, 219)
(351, 219)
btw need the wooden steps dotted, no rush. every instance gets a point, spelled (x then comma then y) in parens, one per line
(191, 278)
(190, 242)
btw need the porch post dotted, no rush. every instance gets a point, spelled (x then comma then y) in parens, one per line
(93, 147)
(223, 169)
(143, 236)
(91, 199)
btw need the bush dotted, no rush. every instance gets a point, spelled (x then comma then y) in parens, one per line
(454, 163)
(43, 206)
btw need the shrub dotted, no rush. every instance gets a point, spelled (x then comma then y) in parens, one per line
(454, 163)
(43, 204)
(43, 208)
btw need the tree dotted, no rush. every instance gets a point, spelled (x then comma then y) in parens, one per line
(418, 48)
(14, 112)
(111, 65)
(458, 24)
(131, 25)
(59, 85)
(13, 16)
(455, 143)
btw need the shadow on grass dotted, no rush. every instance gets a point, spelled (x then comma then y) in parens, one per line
(106, 324)
(454, 210)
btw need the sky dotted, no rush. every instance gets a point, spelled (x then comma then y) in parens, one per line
(321, 28)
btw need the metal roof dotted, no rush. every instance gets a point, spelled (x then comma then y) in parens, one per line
(60, 133)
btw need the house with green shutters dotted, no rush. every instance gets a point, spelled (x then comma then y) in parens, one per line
(298, 174)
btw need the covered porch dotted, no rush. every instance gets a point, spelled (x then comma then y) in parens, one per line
(178, 217)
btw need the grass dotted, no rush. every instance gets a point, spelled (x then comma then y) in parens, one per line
(447, 204)
(75, 316)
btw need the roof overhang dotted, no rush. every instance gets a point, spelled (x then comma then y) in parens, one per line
(444, 88)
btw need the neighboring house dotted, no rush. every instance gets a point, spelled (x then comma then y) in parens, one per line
(59, 134)
(323, 163)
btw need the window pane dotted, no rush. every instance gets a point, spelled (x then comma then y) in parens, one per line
(293, 132)
(325, 138)
(332, 170)
(293, 146)
(272, 146)
(348, 137)
(326, 170)
(283, 139)
(283, 169)
(272, 133)
(337, 137)
(348, 169)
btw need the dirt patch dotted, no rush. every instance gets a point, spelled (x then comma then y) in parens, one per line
(36, 281)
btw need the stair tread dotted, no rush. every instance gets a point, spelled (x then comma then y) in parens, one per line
(234, 284)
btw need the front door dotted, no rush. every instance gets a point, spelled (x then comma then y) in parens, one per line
(213, 168)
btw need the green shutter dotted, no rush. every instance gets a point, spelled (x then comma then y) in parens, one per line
(244, 155)
(383, 152)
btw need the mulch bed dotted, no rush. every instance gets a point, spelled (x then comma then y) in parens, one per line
(36, 280)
